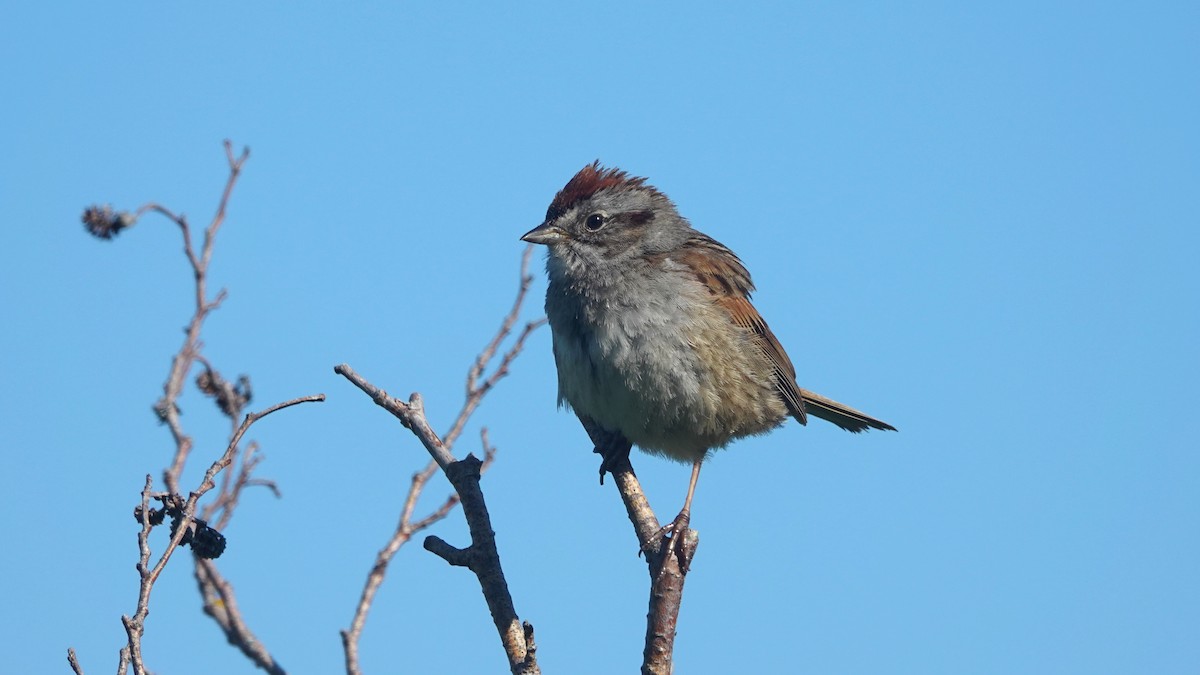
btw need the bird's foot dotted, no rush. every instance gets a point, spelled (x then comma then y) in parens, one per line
(672, 538)
(614, 452)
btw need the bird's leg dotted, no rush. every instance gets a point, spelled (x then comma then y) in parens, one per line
(678, 528)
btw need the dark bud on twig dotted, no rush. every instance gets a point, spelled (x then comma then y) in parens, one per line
(243, 389)
(161, 410)
(231, 398)
(156, 515)
(187, 536)
(204, 540)
(207, 542)
(172, 504)
(105, 223)
(206, 382)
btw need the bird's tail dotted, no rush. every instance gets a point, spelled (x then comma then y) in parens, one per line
(842, 415)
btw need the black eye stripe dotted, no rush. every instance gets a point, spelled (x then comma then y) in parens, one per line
(638, 217)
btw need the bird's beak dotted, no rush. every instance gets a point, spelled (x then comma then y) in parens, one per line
(546, 233)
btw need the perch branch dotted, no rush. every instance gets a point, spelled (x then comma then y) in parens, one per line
(667, 571)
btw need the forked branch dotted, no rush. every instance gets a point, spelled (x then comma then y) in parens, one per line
(481, 556)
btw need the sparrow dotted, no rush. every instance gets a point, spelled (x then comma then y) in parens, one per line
(655, 338)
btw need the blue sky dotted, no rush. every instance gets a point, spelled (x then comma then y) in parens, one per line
(978, 223)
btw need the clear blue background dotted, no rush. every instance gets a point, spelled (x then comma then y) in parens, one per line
(978, 223)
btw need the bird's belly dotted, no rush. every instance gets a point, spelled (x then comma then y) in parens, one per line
(669, 385)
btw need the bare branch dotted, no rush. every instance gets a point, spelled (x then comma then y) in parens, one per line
(231, 488)
(667, 569)
(476, 391)
(167, 406)
(410, 414)
(74, 662)
(231, 398)
(405, 529)
(481, 556)
(464, 476)
(220, 603)
(510, 319)
(135, 626)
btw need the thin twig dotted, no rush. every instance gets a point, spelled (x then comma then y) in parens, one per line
(405, 529)
(167, 406)
(476, 391)
(74, 662)
(220, 603)
(134, 626)
(231, 491)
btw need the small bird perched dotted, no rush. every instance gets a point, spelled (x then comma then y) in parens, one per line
(654, 336)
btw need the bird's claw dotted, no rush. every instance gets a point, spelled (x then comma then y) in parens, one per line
(615, 457)
(673, 535)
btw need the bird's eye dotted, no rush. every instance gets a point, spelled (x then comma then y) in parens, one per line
(594, 222)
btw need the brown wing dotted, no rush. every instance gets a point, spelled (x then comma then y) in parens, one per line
(727, 279)
(723, 274)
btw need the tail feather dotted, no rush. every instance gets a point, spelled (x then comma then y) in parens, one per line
(842, 415)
